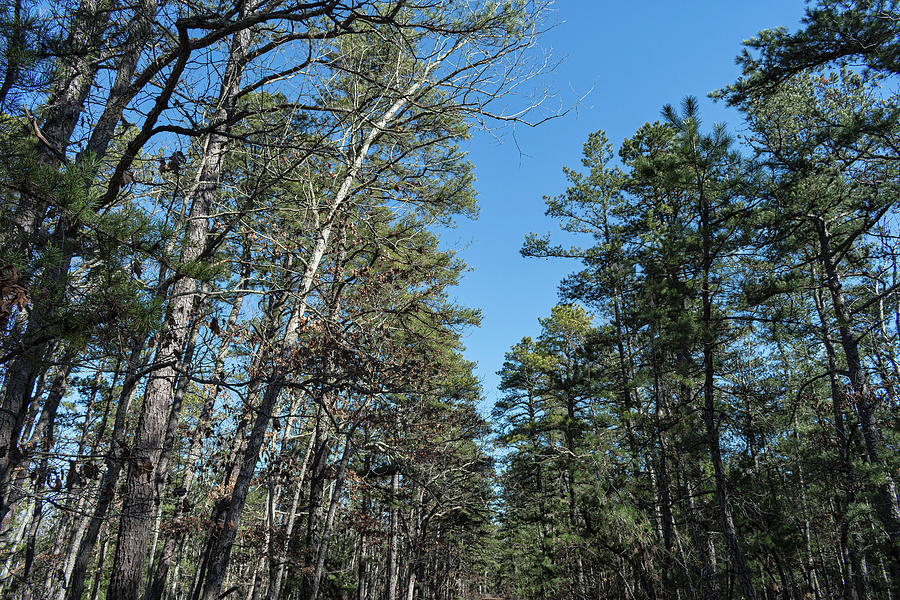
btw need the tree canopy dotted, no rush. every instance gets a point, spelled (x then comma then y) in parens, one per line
(233, 365)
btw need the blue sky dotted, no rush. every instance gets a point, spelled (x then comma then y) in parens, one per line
(635, 57)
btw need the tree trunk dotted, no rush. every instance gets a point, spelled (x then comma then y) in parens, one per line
(115, 459)
(156, 588)
(140, 499)
(292, 516)
(849, 542)
(886, 503)
(393, 535)
(325, 537)
(65, 101)
(735, 552)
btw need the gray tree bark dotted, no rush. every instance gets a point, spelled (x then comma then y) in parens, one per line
(139, 502)
(886, 503)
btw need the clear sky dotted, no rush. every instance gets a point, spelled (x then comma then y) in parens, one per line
(636, 57)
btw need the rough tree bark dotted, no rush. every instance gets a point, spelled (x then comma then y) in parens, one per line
(887, 507)
(139, 502)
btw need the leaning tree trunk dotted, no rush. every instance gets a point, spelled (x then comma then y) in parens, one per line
(139, 502)
(123, 89)
(43, 431)
(158, 582)
(115, 460)
(887, 507)
(64, 109)
(219, 552)
(850, 546)
(74, 529)
(325, 536)
(275, 586)
(65, 103)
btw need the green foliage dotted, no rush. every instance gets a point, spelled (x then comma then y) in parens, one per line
(835, 32)
(754, 272)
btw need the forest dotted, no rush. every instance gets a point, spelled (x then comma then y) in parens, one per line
(233, 364)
